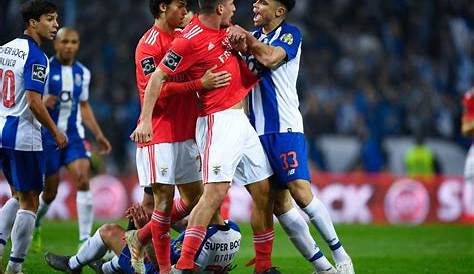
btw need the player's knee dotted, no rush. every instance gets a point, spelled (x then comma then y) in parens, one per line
(281, 206)
(216, 196)
(49, 195)
(302, 198)
(29, 201)
(108, 231)
(302, 195)
(82, 181)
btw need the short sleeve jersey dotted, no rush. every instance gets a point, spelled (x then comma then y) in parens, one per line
(23, 66)
(174, 118)
(71, 86)
(197, 50)
(274, 103)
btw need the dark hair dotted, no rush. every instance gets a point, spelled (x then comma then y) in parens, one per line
(155, 6)
(289, 4)
(33, 9)
(208, 6)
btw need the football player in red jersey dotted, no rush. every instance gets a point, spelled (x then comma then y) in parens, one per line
(467, 128)
(227, 143)
(170, 157)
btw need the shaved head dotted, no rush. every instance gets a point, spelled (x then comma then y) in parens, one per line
(66, 45)
(65, 30)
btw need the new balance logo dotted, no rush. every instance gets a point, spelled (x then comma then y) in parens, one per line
(210, 46)
(195, 30)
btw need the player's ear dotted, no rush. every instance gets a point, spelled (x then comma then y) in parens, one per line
(32, 22)
(280, 11)
(163, 7)
(220, 9)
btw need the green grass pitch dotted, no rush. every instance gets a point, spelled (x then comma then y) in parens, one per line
(433, 249)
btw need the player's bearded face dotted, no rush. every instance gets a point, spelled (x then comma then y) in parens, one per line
(228, 13)
(47, 26)
(176, 13)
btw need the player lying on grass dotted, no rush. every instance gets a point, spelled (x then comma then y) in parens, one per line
(216, 255)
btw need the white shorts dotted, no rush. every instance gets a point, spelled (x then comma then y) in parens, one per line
(168, 163)
(229, 146)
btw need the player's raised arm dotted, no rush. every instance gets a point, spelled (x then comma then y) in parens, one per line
(143, 133)
(36, 106)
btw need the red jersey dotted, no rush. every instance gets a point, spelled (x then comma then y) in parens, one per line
(196, 50)
(174, 118)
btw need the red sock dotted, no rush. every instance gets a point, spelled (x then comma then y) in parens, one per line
(263, 244)
(160, 229)
(144, 234)
(179, 210)
(192, 241)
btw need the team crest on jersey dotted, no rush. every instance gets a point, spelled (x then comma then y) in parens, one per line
(287, 38)
(148, 65)
(216, 169)
(65, 96)
(163, 171)
(39, 73)
(172, 60)
(77, 79)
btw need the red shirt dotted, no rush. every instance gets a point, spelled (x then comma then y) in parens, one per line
(174, 118)
(196, 50)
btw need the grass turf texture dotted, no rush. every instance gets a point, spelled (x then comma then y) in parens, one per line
(434, 249)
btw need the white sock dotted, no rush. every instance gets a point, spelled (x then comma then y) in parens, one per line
(22, 233)
(42, 210)
(7, 215)
(298, 232)
(85, 215)
(319, 216)
(90, 251)
(112, 266)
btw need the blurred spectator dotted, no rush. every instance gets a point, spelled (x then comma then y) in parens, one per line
(420, 160)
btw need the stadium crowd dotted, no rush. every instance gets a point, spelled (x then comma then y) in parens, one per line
(370, 68)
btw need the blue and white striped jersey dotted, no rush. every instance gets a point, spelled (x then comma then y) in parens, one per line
(218, 250)
(273, 103)
(23, 66)
(71, 85)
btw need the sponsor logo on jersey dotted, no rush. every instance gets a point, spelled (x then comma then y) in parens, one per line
(65, 96)
(148, 65)
(172, 60)
(39, 73)
(287, 38)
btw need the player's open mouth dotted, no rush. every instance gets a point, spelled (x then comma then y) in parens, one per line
(257, 17)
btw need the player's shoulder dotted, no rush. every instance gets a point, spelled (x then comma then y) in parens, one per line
(149, 42)
(193, 32)
(227, 226)
(232, 225)
(33, 47)
(82, 67)
(289, 31)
